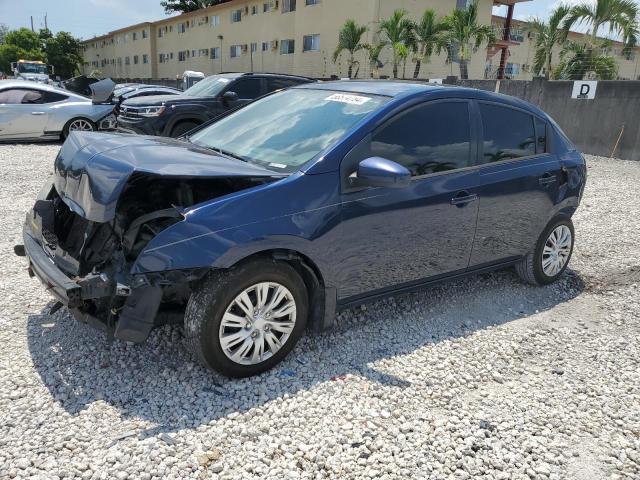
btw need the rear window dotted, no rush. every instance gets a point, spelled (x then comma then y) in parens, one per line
(507, 133)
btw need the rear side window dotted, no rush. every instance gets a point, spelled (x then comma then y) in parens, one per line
(430, 138)
(508, 133)
(247, 88)
(51, 97)
(274, 84)
(541, 135)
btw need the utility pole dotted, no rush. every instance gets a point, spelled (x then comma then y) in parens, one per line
(45, 22)
(32, 24)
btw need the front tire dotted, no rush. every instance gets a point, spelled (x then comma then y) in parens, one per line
(551, 255)
(78, 124)
(243, 321)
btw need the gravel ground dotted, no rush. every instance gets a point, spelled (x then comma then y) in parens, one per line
(480, 378)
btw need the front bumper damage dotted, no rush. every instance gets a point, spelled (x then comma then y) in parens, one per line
(125, 306)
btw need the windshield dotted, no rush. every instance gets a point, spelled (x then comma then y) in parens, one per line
(32, 68)
(285, 130)
(208, 87)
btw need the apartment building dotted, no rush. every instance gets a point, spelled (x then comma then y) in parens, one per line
(283, 36)
(521, 51)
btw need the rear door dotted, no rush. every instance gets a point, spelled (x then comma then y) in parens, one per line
(23, 113)
(518, 183)
(395, 237)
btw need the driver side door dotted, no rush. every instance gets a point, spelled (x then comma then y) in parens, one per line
(22, 113)
(392, 238)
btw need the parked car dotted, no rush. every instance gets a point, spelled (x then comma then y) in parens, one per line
(307, 201)
(123, 94)
(35, 111)
(173, 116)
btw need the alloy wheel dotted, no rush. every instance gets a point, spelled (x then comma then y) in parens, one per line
(557, 250)
(80, 125)
(257, 323)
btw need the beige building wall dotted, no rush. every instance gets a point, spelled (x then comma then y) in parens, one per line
(185, 42)
(257, 27)
(521, 56)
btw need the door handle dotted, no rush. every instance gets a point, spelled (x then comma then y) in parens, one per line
(547, 179)
(37, 113)
(463, 198)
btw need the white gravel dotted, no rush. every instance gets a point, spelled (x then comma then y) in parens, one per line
(481, 378)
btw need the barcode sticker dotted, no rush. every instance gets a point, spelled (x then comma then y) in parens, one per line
(346, 98)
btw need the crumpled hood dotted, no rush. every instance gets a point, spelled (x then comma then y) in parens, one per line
(92, 169)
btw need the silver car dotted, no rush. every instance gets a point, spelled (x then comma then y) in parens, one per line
(33, 111)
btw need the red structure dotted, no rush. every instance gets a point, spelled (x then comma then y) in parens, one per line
(504, 41)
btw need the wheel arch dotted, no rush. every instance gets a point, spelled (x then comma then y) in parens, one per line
(322, 299)
(65, 129)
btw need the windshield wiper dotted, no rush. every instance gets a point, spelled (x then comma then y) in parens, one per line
(227, 153)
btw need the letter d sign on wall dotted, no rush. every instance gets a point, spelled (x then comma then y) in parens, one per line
(583, 90)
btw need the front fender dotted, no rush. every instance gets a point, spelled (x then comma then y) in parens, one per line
(300, 213)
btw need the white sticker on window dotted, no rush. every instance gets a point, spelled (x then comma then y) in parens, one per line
(345, 98)
(277, 165)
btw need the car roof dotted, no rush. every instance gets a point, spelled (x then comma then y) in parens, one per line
(37, 86)
(266, 74)
(398, 89)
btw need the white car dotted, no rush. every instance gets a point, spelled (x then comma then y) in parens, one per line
(34, 111)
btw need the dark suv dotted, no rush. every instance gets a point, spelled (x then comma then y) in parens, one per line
(174, 115)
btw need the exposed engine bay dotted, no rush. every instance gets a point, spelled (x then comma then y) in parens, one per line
(99, 256)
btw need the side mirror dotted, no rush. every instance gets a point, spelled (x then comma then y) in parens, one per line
(380, 172)
(229, 97)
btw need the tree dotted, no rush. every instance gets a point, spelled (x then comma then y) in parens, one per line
(397, 33)
(350, 39)
(463, 36)
(548, 35)
(428, 35)
(620, 16)
(24, 39)
(373, 54)
(4, 29)
(63, 51)
(581, 60)
(184, 6)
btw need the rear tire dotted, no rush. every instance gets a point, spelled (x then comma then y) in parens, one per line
(551, 255)
(182, 128)
(222, 334)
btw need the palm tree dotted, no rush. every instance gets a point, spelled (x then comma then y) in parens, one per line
(373, 53)
(397, 32)
(350, 39)
(428, 35)
(548, 35)
(621, 16)
(463, 36)
(581, 60)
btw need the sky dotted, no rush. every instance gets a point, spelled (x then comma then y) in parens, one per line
(89, 18)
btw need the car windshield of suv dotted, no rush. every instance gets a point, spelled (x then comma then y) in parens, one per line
(285, 130)
(208, 87)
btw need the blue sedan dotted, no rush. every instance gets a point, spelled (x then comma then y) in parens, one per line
(264, 223)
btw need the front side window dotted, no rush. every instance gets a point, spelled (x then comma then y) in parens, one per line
(16, 96)
(247, 88)
(311, 43)
(430, 138)
(508, 133)
(285, 130)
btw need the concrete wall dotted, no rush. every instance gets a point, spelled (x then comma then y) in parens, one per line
(593, 125)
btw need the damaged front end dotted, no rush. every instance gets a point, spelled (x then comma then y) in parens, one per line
(86, 263)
